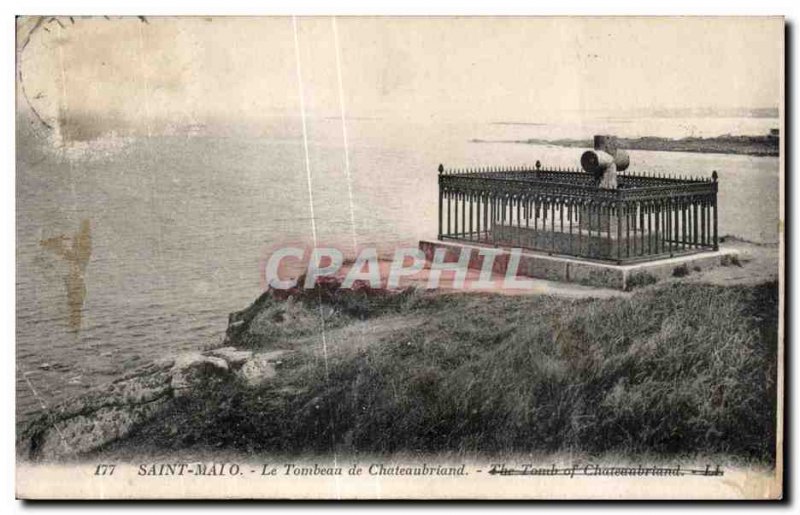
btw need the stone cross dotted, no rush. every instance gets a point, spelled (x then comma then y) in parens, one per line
(605, 161)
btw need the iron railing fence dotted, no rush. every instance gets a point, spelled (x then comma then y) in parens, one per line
(563, 211)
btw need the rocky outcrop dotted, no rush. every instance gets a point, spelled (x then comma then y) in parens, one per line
(234, 357)
(190, 369)
(261, 367)
(100, 416)
(112, 411)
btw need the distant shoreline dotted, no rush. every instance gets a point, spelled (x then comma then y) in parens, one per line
(740, 145)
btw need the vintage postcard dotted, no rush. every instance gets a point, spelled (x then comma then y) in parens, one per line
(352, 257)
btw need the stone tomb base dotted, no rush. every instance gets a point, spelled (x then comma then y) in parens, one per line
(589, 273)
(580, 241)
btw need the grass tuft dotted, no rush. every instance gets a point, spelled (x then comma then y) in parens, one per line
(680, 271)
(640, 280)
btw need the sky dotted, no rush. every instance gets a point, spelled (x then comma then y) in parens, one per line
(143, 74)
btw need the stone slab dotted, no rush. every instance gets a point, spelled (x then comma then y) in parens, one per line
(598, 245)
(584, 272)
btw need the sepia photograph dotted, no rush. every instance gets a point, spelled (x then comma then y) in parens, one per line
(399, 257)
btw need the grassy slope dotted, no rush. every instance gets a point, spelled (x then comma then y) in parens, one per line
(673, 369)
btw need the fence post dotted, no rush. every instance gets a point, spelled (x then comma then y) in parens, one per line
(619, 226)
(715, 177)
(441, 201)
